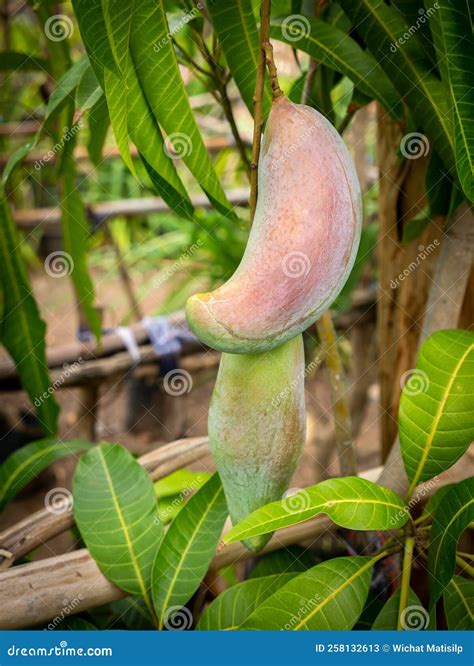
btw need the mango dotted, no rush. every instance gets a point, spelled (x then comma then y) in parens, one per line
(257, 427)
(302, 244)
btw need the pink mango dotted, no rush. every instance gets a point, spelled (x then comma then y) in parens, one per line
(303, 242)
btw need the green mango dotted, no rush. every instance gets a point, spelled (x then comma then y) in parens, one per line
(257, 427)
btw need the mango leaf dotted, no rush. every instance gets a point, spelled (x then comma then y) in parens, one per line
(404, 62)
(232, 607)
(23, 62)
(332, 47)
(65, 87)
(187, 549)
(234, 23)
(331, 595)
(99, 121)
(158, 73)
(115, 510)
(387, 619)
(435, 418)
(291, 559)
(26, 463)
(436, 499)
(75, 228)
(88, 91)
(452, 517)
(350, 502)
(458, 604)
(22, 329)
(451, 26)
(183, 481)
(133, 613)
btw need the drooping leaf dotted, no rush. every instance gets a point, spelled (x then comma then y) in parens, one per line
(88, 91)
(350, 502)
(436, 419)
(26, 463)
(404, 62)
(65, 87)
(76, 230)
(452, 517)
(162, 85)
(291, 559)
(232, 607)
(23, 62)
(387, 619)
(459, 604)
(331, 596)
(115, 510)
(22, 329)
(183, 481)
(451, 27)
(187, 549)
(99, 122)
(234, 23)
(332, 47)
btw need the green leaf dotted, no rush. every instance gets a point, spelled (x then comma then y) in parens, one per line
(234, 23)
(26, 463)
(75, 228)
(291, 559)
(22, 329)
(115, 510)
(232, 607)
(436, 420)
(387, 619)
(331, 595)
(458, 604)
(405, 64)
(88, 91)
(24, 62)
(133, 613)
(65, 87)
(330, 46)
(76, 624)
(157, 70)
(434, 501)
(451, 26)
(99, 122)
(452, 517)
(182, 481)
(187, 549)
(350, 502)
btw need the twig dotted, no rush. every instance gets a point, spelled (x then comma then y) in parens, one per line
(465, 566)
(343, 430)
(229, 114)
(406, 575)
